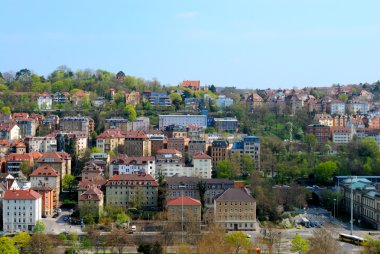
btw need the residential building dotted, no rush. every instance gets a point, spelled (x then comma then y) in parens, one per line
(190, 187)
(339, 120)
(44, 101)
(60, 161)
(358, 107)
(325, 119)
(132, 98)
(222, 101)
(41, 144)
(28, 126)
(254, 101)
(92, 172)
(110, 139)
(219, 151)
(116, 123)
(366, 132)
(85, 185)
(90, 203)
(202, 166)
(196, 147)
(179, 144)
(46, 176)
(60, 98)
(98, 102)
(169, 162)
(184, 210)
(192, 84)
(183, 120)
(159, 99)
(137, 144)
(21, 210)
(341, 135)
(14, 161)
(79, 98)
(195, 132)
(64, 139)
(336, 107)
(132, 191)
(249, 145)
(9, 131)
(156, 143)
(47, 198)
(175, 131)
(229, 124)
(124, 164)
(77, 123)
(235, 209)
(321, 132)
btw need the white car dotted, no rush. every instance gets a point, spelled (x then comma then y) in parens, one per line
(248, 235)
(133, 228)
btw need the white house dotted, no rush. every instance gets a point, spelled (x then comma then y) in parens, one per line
(183, 120)
(44, 101)
(21, 210)
(124, 164)
(202, 166)
(341, 135)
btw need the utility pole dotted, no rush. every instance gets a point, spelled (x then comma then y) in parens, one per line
(334, 208)
(352, 206)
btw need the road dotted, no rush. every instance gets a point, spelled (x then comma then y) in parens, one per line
(55, 226)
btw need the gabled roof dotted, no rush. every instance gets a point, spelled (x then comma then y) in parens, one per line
(86, 184)
(18, 157)
(183, 201)
(91, 194)
(201, 156)
(21, 195)
(44, 171)
(112, 133)
(50, 157)
(235, 195)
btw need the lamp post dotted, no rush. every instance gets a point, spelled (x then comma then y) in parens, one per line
(334, 208)
(352, 206)
(182, 186)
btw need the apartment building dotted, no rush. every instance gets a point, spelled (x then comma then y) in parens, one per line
(235, 209)
(132, 98)
(137, 144)
(132, 191)
(41, 144)
(159, 99)
(124, 164)
(196, 147)
(77, 123)
(110, 139)
(184, 209)
(336, 107)
(10, 131)
(228, 124)
(90, 202)
(21, 210)
(44, 101)
(169, 162)
(324, 119)
(47, 177)
(222, 101)
(321, 132)
(219, 151)
(341, 135)
(14, 161)
(202, 166)
(179, 144)
(182, 120)
(60, 161)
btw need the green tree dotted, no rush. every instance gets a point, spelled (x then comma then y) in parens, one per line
(325, 171)
(130, 112)
(22, 240)
(122, 218)
(247, 164)
(372, 246)
(300, 244)
(176, 100)
(311, 141)
(69, 182)
(25, 168)
(7, 246)
(39, 227)
(224, 169)
(6, 110)
(238, 241)
(343, 97)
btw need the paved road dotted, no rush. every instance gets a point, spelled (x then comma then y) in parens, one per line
(57, 225)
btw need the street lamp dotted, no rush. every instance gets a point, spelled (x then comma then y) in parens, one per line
(334, 208)
(182, 186)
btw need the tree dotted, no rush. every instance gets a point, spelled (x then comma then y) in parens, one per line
(6, 110)
(7, 246)
(223, 169)
(145, 248)
(176, 100)
(40, 244)
(343, 97)
(325, 171)
(322, 242)
(25, 168)
(122, 218)
(212, 88)
(39, 227)
(118, 238)
(238, 241)
(184, 249)
(213, 242)
(22, 240)
(247, 164)
(130, 112)
(310, 140)
(69, 182)
(372, 246)
(300, 244)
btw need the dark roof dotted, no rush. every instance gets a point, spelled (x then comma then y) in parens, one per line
(235, 195)
(220, 143)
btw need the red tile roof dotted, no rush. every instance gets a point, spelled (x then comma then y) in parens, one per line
(191, 83)
(21, 195)
(183, 201)
(136, 179)
(91, 194)
(35, 155)
(44, 171)
(19, 157)
(165, 151)
(201, 156)
(86, 184)
(112, 133)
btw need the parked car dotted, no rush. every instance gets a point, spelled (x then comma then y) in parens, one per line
(55, 215)
(133, 228)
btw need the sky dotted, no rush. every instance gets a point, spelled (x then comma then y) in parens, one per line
(246, 44)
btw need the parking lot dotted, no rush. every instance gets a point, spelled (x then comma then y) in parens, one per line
(60, 224)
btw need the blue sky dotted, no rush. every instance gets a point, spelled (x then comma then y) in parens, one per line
(247, 44)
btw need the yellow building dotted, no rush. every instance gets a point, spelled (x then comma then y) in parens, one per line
(90, 203)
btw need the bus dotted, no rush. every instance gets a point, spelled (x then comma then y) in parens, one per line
(352, 239)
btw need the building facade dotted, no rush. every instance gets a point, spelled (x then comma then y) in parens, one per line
(183, 120)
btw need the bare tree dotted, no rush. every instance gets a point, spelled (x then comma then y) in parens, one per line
(213, 242)
(322, 242)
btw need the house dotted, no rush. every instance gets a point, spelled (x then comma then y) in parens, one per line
(10, 131)
(60, 161)
(191, 84)
(79, 98)
(336, 107)
(159, 99)
(169, 162)
(44, 101)
(202, 166)
(60, 98)
(249, 145)
(90, 202)
(182, 120)
(235, 209)
(325, 119)
(185, 210)
(132, 98)
(46, 176)
(124, 164)
(98, 102)
(110, 139)
(222, 101)
(14, 162)
(132, 191)
(254, 101)
(21, 210)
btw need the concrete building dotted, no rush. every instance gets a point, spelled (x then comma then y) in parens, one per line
(10, 131)
(47, 198)
(179, 144)
(196, 147)
(183, 120)
(137, 144)
(124, 164)
(110, 139)
(358, 107)
(44, 101)
(235, 209)
(14, 161)
(321, 132)
(21, 210)
(249, 145)
(77, 123)
(228, 124)
(222, 101)
(341, 135)
(46, 176)
(202, 166)
(336, 107)
(141, 124)
(324, 119)
(185, 210)
(90, 202)
(219, 151)
(41, 144)
(132, 191)
(169, 162)
(158, 99)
